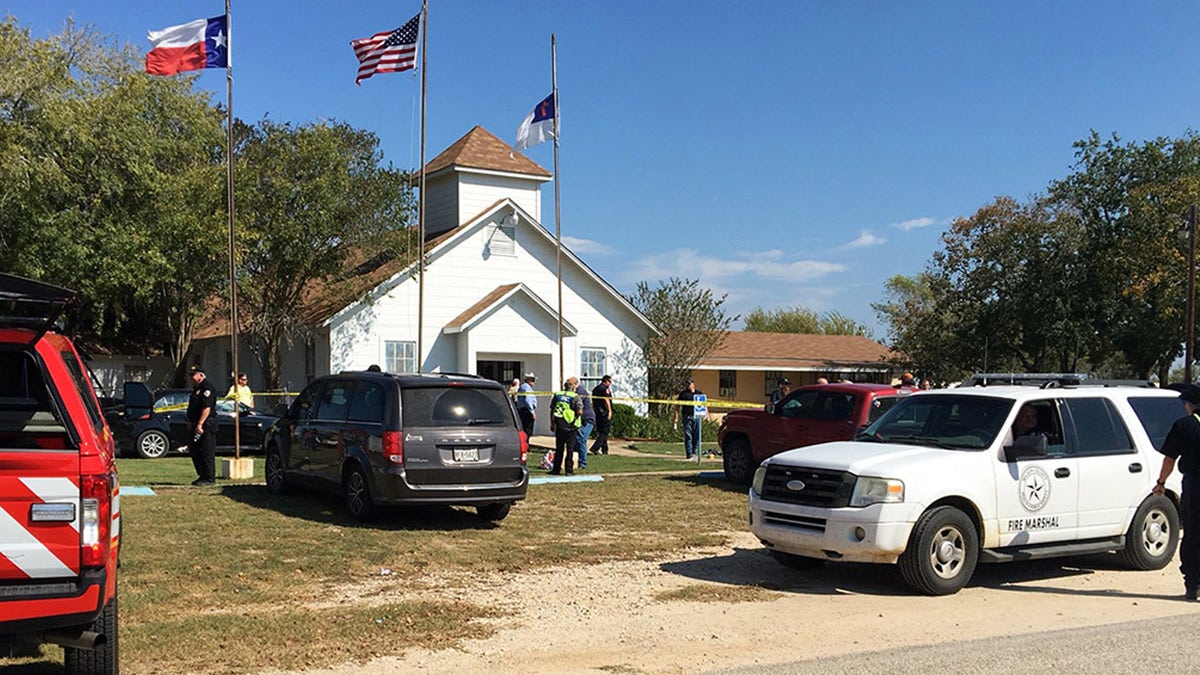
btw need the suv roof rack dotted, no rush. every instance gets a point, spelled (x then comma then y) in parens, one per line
(25, 303)
(1049, 380)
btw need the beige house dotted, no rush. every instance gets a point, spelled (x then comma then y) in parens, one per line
(747, 365)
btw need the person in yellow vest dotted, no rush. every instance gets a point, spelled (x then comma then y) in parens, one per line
(240, 391)
(566, 416)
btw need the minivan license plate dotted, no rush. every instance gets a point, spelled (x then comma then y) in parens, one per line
(466, 454)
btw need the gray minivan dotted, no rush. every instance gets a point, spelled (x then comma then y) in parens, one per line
(383, 438)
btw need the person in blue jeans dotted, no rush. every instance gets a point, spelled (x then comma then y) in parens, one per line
(691, 423)
(585, 429)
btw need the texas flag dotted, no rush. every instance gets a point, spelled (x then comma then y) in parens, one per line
(199, 44)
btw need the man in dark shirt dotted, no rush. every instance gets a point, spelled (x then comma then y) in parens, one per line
(1183, 444)
(687, 415)
(202, 428)
(602, 402)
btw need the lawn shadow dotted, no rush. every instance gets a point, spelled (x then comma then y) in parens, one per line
(711, 479)
(756, 567)
(45, 667)
(319, 507)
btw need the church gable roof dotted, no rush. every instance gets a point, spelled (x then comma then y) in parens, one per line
(480, 149)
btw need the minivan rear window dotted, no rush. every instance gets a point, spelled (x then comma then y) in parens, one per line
(454, 407)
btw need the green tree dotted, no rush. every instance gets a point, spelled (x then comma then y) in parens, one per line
(106, 173)
(312, 200)
(804, 321)
(1129, 198)
(693, 324)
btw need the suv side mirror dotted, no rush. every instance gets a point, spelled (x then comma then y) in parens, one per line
(1033, 445)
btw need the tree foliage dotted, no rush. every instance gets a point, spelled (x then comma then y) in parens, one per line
(802, 320)
(105, 174)
(1090, 276)
(693, 324)
(311, 198)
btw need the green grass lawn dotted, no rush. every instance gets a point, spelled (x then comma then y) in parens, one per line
(234, 579)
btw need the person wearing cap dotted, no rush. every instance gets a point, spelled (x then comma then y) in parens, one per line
(908, 383)
(783, 387)
(202, 428)
(527, 404)
(1182, 444)
(691, 423)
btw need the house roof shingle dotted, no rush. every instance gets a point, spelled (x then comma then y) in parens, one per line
(480, 149)
(792, 351)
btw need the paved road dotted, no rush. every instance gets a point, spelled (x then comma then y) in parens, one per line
(1145, 646)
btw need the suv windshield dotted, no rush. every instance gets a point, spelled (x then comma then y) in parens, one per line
(941, 420)
(454, 407)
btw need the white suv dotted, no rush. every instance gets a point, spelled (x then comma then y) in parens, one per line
(939, 483)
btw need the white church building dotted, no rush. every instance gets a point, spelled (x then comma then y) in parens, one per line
(490, 297)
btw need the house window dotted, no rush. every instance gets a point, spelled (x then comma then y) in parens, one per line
(400, 356)
(136, 373)
(770, 380)
(728, 384)
(592, 361)
(503, 240)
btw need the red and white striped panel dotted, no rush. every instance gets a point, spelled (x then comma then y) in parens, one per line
(43, 549)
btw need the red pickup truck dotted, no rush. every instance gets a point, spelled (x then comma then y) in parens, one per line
(59, 504)
(818, 413)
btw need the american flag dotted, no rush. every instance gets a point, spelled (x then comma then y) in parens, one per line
(387, 52)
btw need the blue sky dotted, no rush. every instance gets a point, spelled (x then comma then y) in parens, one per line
(784, 153)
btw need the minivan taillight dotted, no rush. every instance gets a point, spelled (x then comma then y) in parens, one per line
(95, 530)
(393, 447)
(524, 447)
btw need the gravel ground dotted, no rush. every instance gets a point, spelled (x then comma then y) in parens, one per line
(612, 618)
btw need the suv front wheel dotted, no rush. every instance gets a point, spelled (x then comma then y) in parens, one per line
(941, 553)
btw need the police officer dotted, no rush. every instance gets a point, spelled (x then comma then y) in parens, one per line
(1183, 444)
(202, 428)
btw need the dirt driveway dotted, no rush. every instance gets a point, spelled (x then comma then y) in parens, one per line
(627, 617)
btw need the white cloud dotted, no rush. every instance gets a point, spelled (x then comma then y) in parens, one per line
(915, 223)
(738, 269)
(579, 245)
(864, 240)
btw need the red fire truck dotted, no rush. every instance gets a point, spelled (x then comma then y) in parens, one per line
(59, 495)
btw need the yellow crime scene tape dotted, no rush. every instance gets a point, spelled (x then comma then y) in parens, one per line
(711, 403)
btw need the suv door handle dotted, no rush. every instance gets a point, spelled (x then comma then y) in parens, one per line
(1062, 472)
(1136, 467)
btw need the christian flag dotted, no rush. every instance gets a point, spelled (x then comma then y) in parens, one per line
(538, 126)
(199, 44)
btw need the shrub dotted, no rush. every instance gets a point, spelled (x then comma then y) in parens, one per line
(627, 423)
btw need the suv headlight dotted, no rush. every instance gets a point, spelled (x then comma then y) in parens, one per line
(868, 491)
(760, 476)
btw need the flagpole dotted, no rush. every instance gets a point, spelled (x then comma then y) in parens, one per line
(421, 202)
(562, 364)
(233, 312)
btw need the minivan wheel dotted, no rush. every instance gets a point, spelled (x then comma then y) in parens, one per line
(276, 479)
(357, 494)
(494, 512)
(738, 461)
(153, 444)
(103, 659)
(1153, 535)
(941, 553)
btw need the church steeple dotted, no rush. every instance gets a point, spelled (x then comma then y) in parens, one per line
(472, 174)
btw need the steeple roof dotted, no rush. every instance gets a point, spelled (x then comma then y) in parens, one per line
(480, 149)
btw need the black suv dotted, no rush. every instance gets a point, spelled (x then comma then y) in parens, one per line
(383, 438)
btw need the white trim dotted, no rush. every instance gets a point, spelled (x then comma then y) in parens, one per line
(568, 329)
